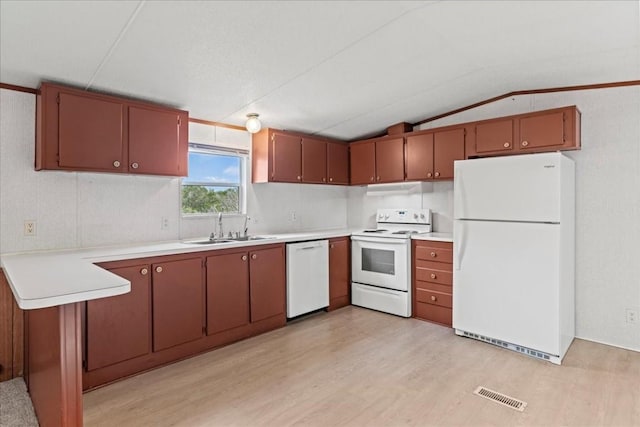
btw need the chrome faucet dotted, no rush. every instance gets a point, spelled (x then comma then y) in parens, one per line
(220, 232)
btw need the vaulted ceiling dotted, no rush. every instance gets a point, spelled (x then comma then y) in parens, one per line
(342, 69)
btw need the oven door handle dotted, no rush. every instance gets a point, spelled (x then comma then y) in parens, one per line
(388, 240)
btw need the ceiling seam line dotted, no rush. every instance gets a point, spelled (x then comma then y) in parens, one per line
(115, 44)
(327, 59)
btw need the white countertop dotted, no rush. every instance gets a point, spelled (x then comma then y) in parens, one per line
(50, 278)
(437, 236)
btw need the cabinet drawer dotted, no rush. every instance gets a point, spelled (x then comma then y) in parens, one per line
(447, 289)
(433, 313)
(438, 254)
(435, 276)
(433, 297)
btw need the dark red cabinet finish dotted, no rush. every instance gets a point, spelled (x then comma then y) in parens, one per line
(90, 133)
(314, 161)
(390, 160)
(227, 291)
(337, 163)
(448, 146)
(154, 142)
(494, 136)
(432, 281)
(119, 327)
(84, 131)
(339, 272)
(363, 162)
(286, 152)
(178, 302)
(542, 130)
(419, 157)
(267, 283)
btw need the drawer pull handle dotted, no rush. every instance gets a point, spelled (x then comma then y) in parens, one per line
(433, 255)
(144, 271)
(525, 143)
(254, 256)
(506, 145)
(158, 269)
(434, 298)
(433, 275)
(116, 164)
(244, 257)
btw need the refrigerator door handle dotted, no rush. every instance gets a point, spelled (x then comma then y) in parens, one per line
(458, 195)
(460, 245)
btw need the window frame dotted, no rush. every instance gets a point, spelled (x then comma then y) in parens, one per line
(242, 155)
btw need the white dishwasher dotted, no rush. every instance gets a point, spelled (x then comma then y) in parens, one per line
(307, 277)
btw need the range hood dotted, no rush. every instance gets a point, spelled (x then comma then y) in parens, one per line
(398, 188)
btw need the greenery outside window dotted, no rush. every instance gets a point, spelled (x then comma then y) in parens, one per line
(215, 182)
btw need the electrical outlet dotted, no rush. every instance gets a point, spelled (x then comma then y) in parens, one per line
(632, 316)
(29, 227)
(164, 223)
(292, 216)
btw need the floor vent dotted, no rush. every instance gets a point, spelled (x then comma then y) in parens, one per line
(500, 398)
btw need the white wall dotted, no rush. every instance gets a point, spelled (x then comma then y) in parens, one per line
(607, 204)
(74, 210)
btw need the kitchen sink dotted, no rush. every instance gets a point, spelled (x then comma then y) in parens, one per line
(246, 238)
(228, 240)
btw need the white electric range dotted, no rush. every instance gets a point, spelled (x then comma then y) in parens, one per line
(381, 260)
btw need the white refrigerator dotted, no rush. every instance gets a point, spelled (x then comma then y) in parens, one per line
(514, 245)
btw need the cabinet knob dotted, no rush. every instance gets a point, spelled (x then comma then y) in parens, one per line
(134, 165)
(525, 143)
(437, 174)
(429, 174)
(433, 275)
(433, 254)
(506, 144)
(158, 269)
(324, 179)
(330, 179)
(371, 179)
(378, 179)
(254, 256)
(299, 177)
(144, 271)
(434, 298)
(331, 246)
(244, 257)
(116, 164)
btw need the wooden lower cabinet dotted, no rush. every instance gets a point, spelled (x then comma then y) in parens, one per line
(178, 308)
(339, 272)
(119, 328)
(432, 281)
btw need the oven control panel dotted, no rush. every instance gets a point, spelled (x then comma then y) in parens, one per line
(404, 216)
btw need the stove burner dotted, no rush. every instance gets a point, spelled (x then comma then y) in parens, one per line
(404, 232)
(375, 231)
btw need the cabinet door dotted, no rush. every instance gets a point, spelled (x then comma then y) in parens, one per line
(287, 157)
(420, 157)
(314, 161)
(227, 292)
(339, 279)
(178, 302)
(154, 141)
(448, 146)
(542, 130)
(337, 163)
(90, 133)
(495, 136)
(267, 283)
(390, 160)
(363, 162)
(119, 327)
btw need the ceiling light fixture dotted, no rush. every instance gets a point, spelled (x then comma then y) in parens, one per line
(253, 124)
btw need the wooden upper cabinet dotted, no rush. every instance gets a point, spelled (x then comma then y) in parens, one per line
(337, 163)
(84, 131)
(362, 160)
(227, 291)
(390, 160)
(155, 141)
(314, 161)
(267, 283)
(286, 151)
(543, 130)
(448, 146)
(178, 302)
(495, 136)
(119, 327)
(90, 133)
(419, 162)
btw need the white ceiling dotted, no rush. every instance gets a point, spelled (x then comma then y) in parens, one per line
(341, 69)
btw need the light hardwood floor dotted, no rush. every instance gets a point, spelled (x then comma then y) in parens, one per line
(357, 367)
